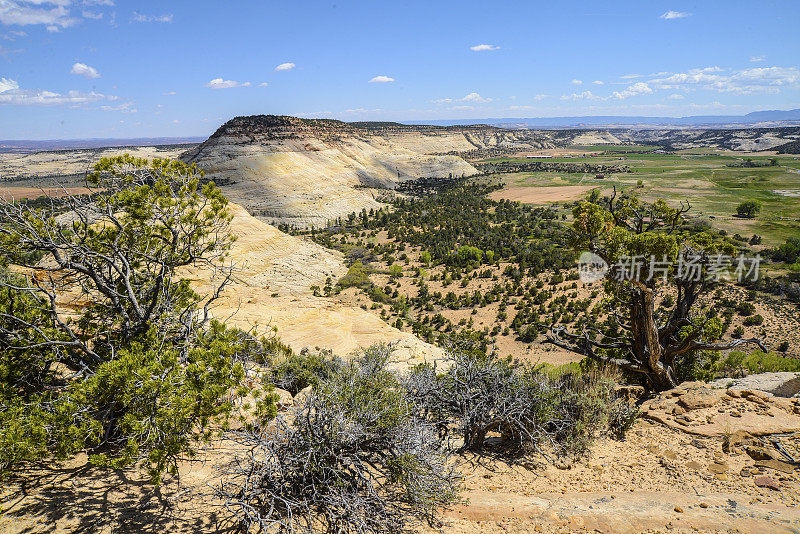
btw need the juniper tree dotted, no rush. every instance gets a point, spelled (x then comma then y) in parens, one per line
(103, 346)
(639, 336)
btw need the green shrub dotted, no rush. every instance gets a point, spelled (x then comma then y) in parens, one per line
(298, 371)
(357, 276)
(753, 320)
(738, 362)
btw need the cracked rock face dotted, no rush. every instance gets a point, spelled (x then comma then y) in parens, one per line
(699, 408)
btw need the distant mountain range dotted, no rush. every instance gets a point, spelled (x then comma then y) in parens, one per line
(756, 119)
(24, 147)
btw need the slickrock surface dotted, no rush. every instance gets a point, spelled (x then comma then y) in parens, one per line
(308, 172)
(698, 408)
(271, 288)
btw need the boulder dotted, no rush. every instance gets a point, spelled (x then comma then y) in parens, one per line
(778, 384)
(698, 408)
(285, 400)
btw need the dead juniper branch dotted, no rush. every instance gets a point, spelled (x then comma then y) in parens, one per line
(352, 458)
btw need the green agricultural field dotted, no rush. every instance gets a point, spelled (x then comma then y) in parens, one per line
(704, 180)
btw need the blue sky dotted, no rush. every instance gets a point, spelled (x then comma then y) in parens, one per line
(111, 68)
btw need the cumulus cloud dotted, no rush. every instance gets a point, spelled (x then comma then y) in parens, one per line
(8, 85)
(669, 15)
(11, 94)
(586, 95)
(483, 48)
(98, 2)
(757, 59)
(639, 88)
(168, 93)
(676, 96)
(755, 80)
(126, 107)
(140, 17)
(285, 66)
(576, 82)
(475, 97)
(471, 97)
(91, 15)
(81, 69)
(263, 84)
(598, 82)
(219, 83)
(51, 13)
(381, 79)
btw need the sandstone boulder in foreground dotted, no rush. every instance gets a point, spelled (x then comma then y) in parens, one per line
(701, 409)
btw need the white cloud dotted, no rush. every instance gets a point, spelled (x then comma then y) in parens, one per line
(81, 69)
(586, 95)
(471, 97)
(669, 15)
(53, 29)
(8, 85)
(576, 82)
(630, 76)
(126, 107)
(540, 97)
(98, 2)
(263, 84)
(219, 83)
(676, 97)
(639, 88)
(483, 48)
(768, 80)
(13, 35)
(475, 97)
(711, 105)
(598, 82)
(285, 66)
(91, 15)
(757, 59)
(11, 94)
(168, 93)
(381, 79)
(32, 12)
(140, 17)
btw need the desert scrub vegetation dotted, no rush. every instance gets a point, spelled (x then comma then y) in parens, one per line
(370, 450)
(354, 457)
(103, 347)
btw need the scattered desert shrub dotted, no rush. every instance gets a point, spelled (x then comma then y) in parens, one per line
(357, 276)
(480, 394)
(753, 320)
(355, 457)
(296, 372)
(738, 363)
